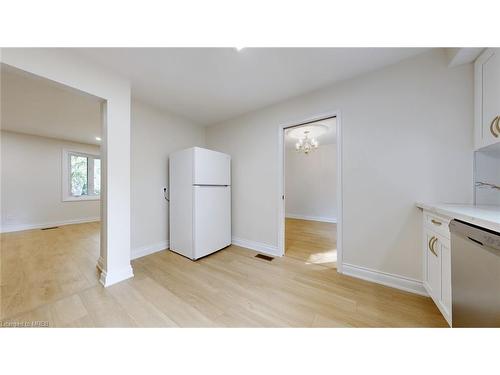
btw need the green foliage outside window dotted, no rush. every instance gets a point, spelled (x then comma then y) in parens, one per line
(79, 171)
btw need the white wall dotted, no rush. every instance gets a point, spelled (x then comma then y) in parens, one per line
(32, 182)
(407, 137)
(68, 68)
(155, 134)
(311, 183)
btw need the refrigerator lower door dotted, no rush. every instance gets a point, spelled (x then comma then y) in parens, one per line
(212, 219)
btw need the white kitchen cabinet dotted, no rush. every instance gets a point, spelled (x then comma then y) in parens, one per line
(437, 261)
(432, 260)
(487, 98)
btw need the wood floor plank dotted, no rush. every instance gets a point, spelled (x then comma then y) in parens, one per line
(182, 313)
(68, 310)
(192, 291)
(143, 312)
(104, 310)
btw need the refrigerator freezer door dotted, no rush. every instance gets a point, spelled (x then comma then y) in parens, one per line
(212, 219)
(211, 167)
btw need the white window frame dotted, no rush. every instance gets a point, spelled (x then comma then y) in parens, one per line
(66, 176)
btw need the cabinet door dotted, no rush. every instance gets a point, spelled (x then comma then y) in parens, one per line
(446, 279)
(432, 260)
(488, 74)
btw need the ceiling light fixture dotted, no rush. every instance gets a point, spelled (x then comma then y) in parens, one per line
(306, 144)
(97, 138)
(239, 48)
(307, 136)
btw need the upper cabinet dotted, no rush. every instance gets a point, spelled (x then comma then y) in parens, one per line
(487, 98)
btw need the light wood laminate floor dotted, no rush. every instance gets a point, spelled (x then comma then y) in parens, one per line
(50, 276)
(313, 242)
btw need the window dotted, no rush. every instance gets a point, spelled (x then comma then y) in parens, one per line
(81, 176)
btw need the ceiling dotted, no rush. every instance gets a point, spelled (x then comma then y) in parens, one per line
(38, 106)
(210, 85)
(325, 138)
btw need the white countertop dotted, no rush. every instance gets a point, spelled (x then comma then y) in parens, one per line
(483, 216)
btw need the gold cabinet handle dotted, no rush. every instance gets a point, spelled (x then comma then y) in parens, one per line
(431, 244)
(436, 222)
(495, 121)
(497, 124)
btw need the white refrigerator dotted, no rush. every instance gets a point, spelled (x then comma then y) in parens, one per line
(200, 201)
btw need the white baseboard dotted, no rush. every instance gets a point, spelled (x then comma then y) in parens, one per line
(19, 227)
(387, 279)
(257, 246)
(142, 251)
(312, 218)
(110, 278)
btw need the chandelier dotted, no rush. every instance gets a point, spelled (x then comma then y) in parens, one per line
(306, 144)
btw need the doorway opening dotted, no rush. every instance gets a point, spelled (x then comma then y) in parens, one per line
(51, 187)
(311, 191)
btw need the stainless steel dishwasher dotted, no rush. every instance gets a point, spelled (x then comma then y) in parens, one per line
(475, 275)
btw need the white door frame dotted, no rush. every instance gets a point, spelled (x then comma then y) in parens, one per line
(281, 181)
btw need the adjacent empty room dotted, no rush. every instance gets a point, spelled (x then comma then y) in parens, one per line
(51, 185)
(310, 174)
